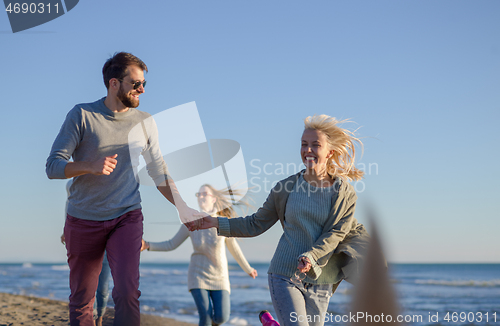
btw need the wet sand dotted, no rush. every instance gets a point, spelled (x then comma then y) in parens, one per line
(31, 311)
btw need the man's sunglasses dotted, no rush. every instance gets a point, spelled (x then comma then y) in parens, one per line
(137, 84)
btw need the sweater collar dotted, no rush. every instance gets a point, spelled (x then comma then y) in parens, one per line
(115, 115)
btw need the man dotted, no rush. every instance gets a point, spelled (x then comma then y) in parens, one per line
(104, 210)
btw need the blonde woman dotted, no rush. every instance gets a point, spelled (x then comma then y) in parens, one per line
(322, 242)
(208, 276)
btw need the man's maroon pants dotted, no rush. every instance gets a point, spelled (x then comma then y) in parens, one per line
(85, 242)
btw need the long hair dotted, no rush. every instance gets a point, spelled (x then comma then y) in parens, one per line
(224, 205)
(341, 141)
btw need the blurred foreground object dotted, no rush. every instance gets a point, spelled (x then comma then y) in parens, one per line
(374, 301)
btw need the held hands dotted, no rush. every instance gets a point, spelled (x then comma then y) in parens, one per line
(187, 214)
(103, 166)
(206, 222)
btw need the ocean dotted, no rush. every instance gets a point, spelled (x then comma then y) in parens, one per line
(429, 294)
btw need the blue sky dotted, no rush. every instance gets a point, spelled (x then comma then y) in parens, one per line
(420, 79)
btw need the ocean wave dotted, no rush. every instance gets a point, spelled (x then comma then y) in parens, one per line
(60, 267)
(149, 309)
(235, 285)
(238, 273)
(238, 321)
(461, 283)
(149, 271)
(345, 291)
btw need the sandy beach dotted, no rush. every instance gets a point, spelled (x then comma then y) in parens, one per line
(32, 311)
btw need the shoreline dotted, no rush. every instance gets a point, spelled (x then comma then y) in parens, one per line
(27, 310)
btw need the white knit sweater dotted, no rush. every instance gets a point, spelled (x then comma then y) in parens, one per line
(208, 267)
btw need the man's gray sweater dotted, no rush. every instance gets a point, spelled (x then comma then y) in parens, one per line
(91, 131)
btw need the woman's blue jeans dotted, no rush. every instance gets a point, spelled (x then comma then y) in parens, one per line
(213, 305)
(299, 305)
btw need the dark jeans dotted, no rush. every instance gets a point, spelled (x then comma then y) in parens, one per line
(85, 243)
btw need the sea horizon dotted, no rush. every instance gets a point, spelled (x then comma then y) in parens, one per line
(424, 290)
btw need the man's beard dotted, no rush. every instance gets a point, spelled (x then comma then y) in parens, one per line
(127, 100)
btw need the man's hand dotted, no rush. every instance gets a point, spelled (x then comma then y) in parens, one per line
(206, 222)
(63, 239)
(187, 214)
(304, 265)
(104, 166)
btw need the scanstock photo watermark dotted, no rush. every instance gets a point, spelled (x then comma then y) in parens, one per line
(363, 318)
(355, 318)
(263, 176)
(24, 15)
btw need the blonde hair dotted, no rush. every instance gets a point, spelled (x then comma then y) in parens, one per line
(224, 205)
(341, 141)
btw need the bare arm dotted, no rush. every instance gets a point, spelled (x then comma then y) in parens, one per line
(170, 192)
(166, 191)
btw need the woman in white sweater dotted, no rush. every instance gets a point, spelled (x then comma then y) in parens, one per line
(208, 277)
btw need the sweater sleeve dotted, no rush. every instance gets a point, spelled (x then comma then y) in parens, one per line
(252, 225)
(324, 247)
(64, 145)
(155, 165)
(236, 252)
(173, 243)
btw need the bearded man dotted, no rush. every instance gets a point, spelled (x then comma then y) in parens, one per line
(104, 206)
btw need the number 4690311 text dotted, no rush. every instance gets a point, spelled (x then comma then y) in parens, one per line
(32, 8)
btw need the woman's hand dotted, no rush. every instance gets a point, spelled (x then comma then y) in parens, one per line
(253, 273)
(206, 222)
(145, 245)
(304, 265)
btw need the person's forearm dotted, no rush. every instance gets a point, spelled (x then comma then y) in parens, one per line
(103, 166)
(171, 244)
(74, 169)
(170, 192)
(186, 213)
(210, 222)
(166, 192)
